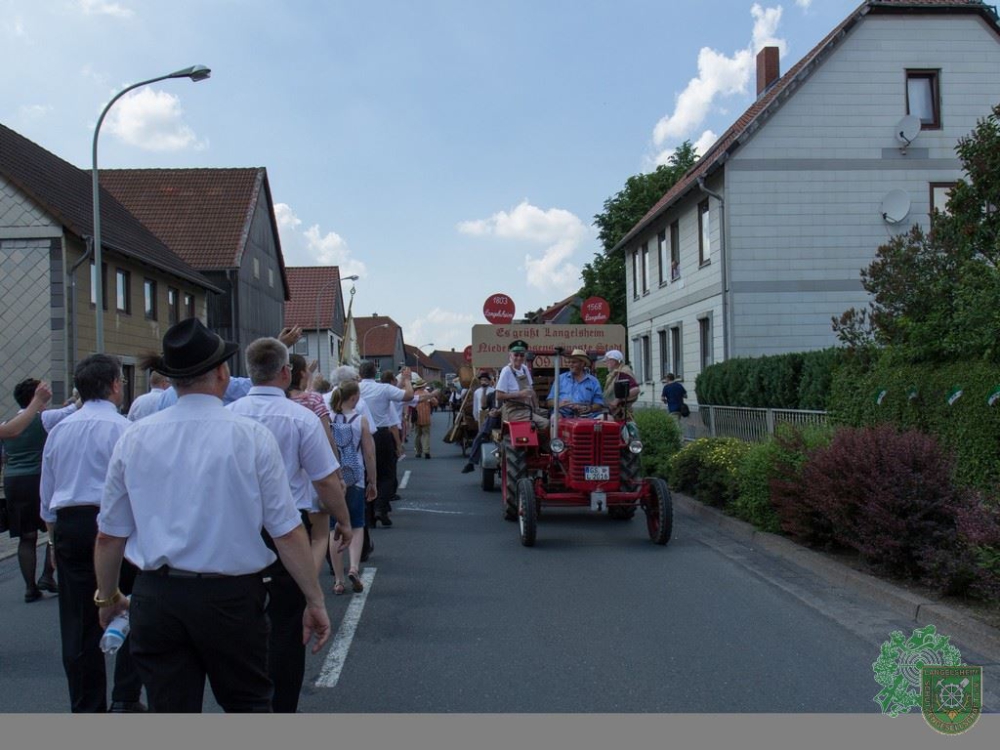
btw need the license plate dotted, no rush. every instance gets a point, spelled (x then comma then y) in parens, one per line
(596, 473)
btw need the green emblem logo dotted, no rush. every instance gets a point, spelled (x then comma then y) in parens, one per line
(954, 395)
(951, 697)
(880, 396)
(899, 664)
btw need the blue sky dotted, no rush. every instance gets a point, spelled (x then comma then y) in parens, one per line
(444, 150)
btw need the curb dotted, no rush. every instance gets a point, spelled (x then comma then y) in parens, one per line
(916, 608)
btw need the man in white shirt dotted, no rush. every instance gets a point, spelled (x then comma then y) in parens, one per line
(379, 397)
(149, 403)
(308, 458)
(515, 389)
(187, 493)
(479, 397)
(74, 463)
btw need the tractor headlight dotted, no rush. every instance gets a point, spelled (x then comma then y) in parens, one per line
(635, 446)
(557, 446)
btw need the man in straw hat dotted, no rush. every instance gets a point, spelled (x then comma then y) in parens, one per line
(579, 392)
(187, 493)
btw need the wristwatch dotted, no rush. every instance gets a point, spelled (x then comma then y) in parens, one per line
(110, 601)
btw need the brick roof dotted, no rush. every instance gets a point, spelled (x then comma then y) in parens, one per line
(66, 192)
(771, 99)
(203, 214)
(419, 357)
(304, 284)
(382, 341)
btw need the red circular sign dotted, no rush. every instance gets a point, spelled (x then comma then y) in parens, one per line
(498, 308)
(467, 353)
(595, 311)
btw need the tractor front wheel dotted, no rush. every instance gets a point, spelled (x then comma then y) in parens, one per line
(659, 512)
(527, 511)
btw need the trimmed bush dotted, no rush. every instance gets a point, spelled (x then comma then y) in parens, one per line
(792, 449)
(799, 380)
(661, 439)
(753, 499)
(707, 469)
(685, 465)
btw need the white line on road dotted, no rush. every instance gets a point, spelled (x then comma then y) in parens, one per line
(330, 674)
(405, 480)
(431, 510)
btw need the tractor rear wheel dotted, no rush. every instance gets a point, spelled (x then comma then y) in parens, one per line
(514, 464)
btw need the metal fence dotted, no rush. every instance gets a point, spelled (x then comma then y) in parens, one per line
(751, 425)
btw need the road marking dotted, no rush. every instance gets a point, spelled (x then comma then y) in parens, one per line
(405, 480)
(330, 674)
(431, 510)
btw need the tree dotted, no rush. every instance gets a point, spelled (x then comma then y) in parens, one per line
(604, 276)
(936, 295)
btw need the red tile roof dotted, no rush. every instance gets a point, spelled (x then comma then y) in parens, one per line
(754, 116)
(419, 357)
(203, 214)
(381, 342)
(309, 286)
(66, 192)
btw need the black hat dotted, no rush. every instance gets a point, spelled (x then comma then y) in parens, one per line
(190, 349)
(517, 345)
(485, 374)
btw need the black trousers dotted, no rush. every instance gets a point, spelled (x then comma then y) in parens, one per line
(286, 654)
(385, 469)
(187, 629)
(489, 425)
(73, 540)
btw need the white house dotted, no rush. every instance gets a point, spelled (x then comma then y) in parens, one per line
(763, 240)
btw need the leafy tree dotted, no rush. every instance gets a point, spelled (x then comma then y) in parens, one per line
(936, 295)
(604, 276)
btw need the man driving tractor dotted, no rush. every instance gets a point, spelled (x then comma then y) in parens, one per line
(580, 393)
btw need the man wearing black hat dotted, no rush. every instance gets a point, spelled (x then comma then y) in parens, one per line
(515, 390)
(187, 493)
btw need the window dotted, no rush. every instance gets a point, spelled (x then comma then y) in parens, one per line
(635, 274)
(302, 346)
(647, 363)
(104, 285)
(664, 360)
(188, 305)
(173, 309)
(705, 338)
(675, 352)
(645, 267)
(675, 251)
(704, 233)
(123, 291)
(270, 277)
(940, 193)
(661, 255)
(149, 298)
(256, 268)
(923, 98)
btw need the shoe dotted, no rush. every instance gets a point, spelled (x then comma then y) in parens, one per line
(356, 586)
(127, 707)
(427, 455)
(48, 583)
(468, 468)
(383, 519)
(32, 595)
(338, 588)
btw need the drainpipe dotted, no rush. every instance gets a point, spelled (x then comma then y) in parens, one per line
(726, 302)
(71, 307)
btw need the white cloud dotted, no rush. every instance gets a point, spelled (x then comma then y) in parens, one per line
(804, 3)
(719, 75)
(103, 8)
(33, 111)
(313, 247)
(444, 328)
(152, 120)
(561, 231)
(705, 141)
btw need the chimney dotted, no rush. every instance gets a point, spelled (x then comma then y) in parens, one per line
(768, 69)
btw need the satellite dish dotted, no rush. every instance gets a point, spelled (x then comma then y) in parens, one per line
(907, 130)
(895, 206)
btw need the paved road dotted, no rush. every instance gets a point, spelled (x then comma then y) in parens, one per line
(459, 617)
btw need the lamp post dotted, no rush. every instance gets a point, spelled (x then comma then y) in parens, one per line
(423, 345)
(195, 73)
(364, 339)
(319, 294)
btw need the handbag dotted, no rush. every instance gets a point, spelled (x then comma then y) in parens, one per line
(685, 411)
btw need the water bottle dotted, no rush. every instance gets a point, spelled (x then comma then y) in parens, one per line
(115, 634)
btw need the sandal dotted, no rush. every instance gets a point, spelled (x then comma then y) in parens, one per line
(355, 580)
(338, 588)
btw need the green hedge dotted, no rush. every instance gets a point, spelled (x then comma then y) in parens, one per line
(799, 380)
(661, 439)
(916, 397)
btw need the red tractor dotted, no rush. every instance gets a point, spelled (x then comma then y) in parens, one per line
(581, 463)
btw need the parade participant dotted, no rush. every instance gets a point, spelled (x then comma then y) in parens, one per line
(491, 422)
(187, 493)
(74, 465)
(398, 423)
(579, 391)
(515, 390)
(348, 374)
(619, 372)
(673, 396)
(310, 465)
(379, 397)
(22, 476)
(149, 403)
(423, 406)
(15, 426)
(353, 437)
(479, 397)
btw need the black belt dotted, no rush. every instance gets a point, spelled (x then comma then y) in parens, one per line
(382, 429)
(75, 511)
(166, 570)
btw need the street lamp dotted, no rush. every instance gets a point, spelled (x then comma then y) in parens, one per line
(364, 339)
(195, 73)
(423, 345)
(319, 294)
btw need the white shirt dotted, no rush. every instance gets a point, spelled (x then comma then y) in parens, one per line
(146, 404)
(305, 448)
(507, 382)
(52, 417)
(379, 397)
(477, 400)
(191, 487)
(76, 456)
